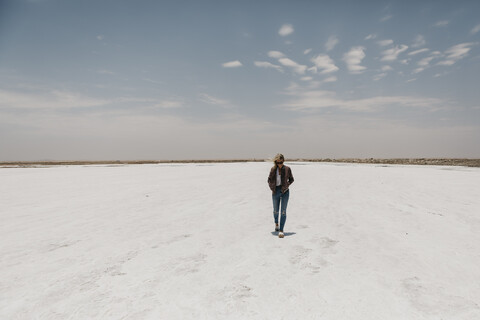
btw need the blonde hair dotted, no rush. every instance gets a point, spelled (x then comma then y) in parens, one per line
(279, 156)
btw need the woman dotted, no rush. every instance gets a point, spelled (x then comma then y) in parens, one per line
(279, 179)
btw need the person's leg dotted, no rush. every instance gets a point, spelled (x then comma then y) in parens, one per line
(285, 197)
(276, 204)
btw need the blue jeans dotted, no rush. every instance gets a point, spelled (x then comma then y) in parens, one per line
(278, 197)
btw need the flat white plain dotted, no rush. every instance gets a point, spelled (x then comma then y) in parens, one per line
(195, 241)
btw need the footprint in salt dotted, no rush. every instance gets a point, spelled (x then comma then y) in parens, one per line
(305, 260)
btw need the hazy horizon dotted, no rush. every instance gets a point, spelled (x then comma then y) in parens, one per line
(181, 80)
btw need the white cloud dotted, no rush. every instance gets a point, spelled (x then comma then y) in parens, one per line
(353, 58)
(265, 64)
(105, 71)
(387, 68)
(384, 43)
(306, 78)
(232, 64)
(313, 69)
(153, 81)
(307, 51)
(410, 80)
(324, 62)
(392, 54)
(459, 51)
(418, 51)
(275, 54)
(425, 61)
(475, 29)
(298, 68)
(418, 70)
(331, 43)
(442, 23)
(404, 61)
(53, 99)
(456, 53)
(423, 64)
(167, 104)
(317, 99)
(419, 41)
(379, 76)
(314, 84)
(370, 36)
(330, 79)
(63, 100)
(100, 37)
(213, 100)
(385, 18)
(285, 30)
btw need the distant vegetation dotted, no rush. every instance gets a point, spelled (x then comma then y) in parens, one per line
(415, 161)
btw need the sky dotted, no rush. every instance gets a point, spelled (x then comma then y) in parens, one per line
(173, 80)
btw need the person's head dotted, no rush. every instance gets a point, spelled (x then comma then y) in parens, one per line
(278, 160)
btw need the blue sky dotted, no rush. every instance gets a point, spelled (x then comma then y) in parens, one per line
(114, 80)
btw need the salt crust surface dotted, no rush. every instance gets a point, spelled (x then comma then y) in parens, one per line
(195, 241)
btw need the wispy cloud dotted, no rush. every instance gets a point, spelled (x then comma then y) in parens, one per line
(232, 64)
(275, 54)
(441, 23)
(331, 43)
(298, 68)
(325, 63)
(105, 71)
(317, 99)
(379, 76)
(330, 79)
(385, 43)
(392, 54)
(168, 104)
(353, 58)
(265, 64)
(306, 78)
(370, 36)
(419, 41)
(475, 29)
(425, 62)
(53, 99)
(418, 51)
(387, 68)
(313, 69)
(100, 37)
(386, 17)
(206, 98)
(418, 70)
(153, 81)
(457, 52)
(307, 51)
(285, 30)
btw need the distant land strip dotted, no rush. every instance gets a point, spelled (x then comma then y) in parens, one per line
(412, 161)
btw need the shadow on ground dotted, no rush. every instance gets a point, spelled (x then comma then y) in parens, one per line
(287, 234)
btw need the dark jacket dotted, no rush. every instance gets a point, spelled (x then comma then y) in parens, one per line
(286, 178)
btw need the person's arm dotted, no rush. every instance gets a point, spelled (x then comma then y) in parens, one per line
(290, 177)
(271, 179)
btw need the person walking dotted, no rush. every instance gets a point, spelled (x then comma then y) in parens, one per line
(279, 181)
